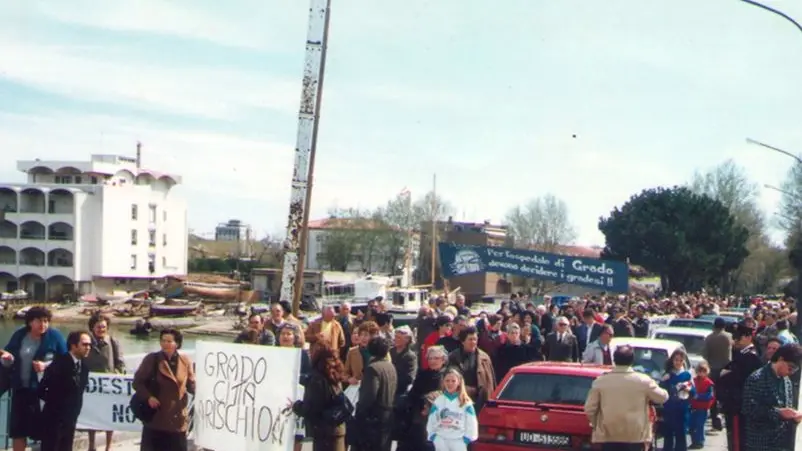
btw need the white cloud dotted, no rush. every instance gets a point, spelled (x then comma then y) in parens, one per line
(207, 92)
(192, 19)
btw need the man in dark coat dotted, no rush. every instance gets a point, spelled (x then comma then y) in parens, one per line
(561, 345)
(376, 399)
(62, 390)
(587, 332)
(729, 389)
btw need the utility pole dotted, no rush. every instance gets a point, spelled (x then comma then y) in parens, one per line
(798, 326)
(292, 273)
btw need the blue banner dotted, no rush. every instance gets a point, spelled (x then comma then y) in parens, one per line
(605, 275)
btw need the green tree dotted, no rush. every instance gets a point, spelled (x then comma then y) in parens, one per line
(341, 243)
(690, 240)
(542, 223)
(729, 183)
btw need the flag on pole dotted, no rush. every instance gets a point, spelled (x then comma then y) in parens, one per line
(405, 192)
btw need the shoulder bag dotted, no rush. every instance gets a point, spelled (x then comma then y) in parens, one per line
(140, 407)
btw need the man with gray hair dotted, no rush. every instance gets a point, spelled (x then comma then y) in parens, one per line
(561, 345)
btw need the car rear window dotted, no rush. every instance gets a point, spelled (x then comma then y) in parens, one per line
(547, 388)
(693, 344)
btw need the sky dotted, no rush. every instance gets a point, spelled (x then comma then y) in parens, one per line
(503, 101)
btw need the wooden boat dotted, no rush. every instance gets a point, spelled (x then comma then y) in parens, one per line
(174, 309)
(212, 290)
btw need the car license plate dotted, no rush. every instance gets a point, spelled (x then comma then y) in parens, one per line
(537, 438)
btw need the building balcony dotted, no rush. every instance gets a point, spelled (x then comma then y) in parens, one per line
(60, 202)
(32, 200)
(9, 200)
(61, 258)
(8, 256)
(60, 231)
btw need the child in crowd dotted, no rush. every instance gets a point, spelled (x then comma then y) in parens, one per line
(678, 382)
(700, 404)
(452, 423)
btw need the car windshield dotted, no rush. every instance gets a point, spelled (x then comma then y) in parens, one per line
(547, 388)
(693, 344)
(650, 361)
(694, 324)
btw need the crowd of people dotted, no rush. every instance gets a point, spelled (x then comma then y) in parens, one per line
(423, 386)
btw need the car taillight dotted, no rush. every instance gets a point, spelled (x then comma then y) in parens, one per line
(494, 434)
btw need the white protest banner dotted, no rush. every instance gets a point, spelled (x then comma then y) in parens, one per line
(106, 404)
(241, 396)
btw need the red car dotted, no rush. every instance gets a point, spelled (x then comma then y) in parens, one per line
(539, 406)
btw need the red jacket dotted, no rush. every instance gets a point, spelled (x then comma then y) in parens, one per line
(705, 393)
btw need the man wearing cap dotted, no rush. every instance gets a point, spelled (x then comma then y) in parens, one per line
(729, 390)
(717, 352)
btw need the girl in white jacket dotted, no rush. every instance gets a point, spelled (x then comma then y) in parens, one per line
(452, 423)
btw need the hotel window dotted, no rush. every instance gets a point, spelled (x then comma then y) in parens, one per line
(152, 214)
(93, 180)
(133, 261)
(164, 262)
(134, 212)
(133, 237)
(164, 215)
(164, 239)
(152, 238)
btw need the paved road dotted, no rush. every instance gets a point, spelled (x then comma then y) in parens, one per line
(716, 441)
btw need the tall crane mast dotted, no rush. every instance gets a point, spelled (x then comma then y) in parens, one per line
(306, 143)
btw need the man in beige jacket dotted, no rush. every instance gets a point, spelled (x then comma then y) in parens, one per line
(618, 405)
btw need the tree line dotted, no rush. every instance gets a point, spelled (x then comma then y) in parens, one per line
(377, 240)
(708, 233)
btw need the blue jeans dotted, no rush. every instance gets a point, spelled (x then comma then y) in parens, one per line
(674, 438)
(698, 420)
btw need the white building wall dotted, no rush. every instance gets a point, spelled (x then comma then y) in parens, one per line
(100, 216)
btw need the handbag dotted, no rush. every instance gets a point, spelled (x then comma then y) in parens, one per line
(140, 407)
(340, 411)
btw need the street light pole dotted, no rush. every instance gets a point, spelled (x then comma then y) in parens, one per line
(798, 325)
(775, 11)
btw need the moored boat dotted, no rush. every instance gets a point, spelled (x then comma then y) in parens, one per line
(174, 308)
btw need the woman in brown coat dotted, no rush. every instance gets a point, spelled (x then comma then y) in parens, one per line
(165, 378)
(322, 391)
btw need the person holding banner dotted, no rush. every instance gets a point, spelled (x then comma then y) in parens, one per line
(323, 394)
(62, 390)
(165, 378)
(29, 351)
(290, 336)
(104, 356)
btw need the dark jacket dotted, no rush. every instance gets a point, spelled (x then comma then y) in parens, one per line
(509, 356)
(485, 375)
(375, 407)
(565, 351)
(62, 390)
(319, 395)
(582, 331)
(377, 392)
(266, 338)
(52, 344)
(406, 366)
(729, 390)
(171, 390)
(105, 356)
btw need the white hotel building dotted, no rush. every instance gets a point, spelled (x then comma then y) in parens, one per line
(78, 227)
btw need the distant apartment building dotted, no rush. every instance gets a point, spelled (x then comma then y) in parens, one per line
(233, 230)
(473, 286)
(379, 260)
(76, 227)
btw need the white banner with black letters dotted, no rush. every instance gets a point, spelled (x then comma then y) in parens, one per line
(241, 396)
(106, 402)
